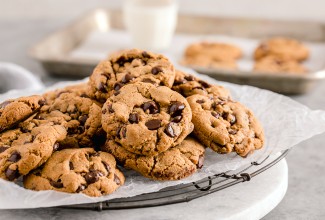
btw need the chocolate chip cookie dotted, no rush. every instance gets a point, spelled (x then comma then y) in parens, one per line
(77, 171)
(15, 110)
(127, 67)
(80, 115)
(174, 164)
(284, 48)
(23, 150)
(272, 64)
(225, 126)
(188, 85)
(146, 119)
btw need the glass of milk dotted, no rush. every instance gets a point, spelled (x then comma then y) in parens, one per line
(151, 23)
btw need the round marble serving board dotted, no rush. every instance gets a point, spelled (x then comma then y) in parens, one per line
(248, 200)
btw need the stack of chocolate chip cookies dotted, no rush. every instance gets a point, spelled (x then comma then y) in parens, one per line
(136, 111)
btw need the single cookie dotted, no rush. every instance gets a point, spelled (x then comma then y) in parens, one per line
(23, 151)
(188, 85)
(174, 164)
(276, 65)
(129, 66)
(225, 126)
(80, 115)
(206, 61)
(284, 48)
(217, 51)
(146, 119)
(77, 171)
(15, 110)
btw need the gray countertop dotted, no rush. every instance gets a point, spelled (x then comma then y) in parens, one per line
(305, 196)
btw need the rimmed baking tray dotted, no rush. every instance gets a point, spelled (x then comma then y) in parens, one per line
(76, 49)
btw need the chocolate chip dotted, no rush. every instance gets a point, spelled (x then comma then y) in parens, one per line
(179, 82)
(152, 106)
(231, 131)
(15, 156)
(71, 165)
(83, 119)
(56, 146)
(169, 130)
(104, 111)
(84, 96)
(153, 124)
(134, 118)
(3, 148)
(204, 84)
(145, 54)
(177, 119)
(189, 78)
(4, 104)
(149, 81)
(156, 70)
(117, 93)
(41, 102)
(176, 108)
(199, 164)
(117, 180)
(118, 86)
(127, 78)
(110, 108)
(198, 87)
(107, 75)
(81, 188)
(93, 176)
(121, 60)
(102, 87)
(215, 114)
(200, 101)
(121, 132)
(57, 184)
(12, 174)
(107, 167)
(81, 129)
(232, 119)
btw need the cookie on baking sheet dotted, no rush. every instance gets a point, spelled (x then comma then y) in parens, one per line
(13, 111)
(80, 115)
(225, 126)
(146, 119)
(77, 171)
(188, 85)
(272, 64)
(24, 150)
(174, 164)
(206, 61)
(129, 66)
(284, 48)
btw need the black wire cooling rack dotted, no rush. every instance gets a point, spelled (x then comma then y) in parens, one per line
(186, 192)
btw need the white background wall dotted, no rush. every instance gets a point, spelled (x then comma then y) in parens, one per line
(275, 9)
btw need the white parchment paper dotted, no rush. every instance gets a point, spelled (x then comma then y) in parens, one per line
(285, 121)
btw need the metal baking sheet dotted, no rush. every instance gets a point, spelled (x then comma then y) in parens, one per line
(75, 50)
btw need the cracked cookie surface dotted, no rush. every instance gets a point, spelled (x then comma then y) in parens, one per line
(284, 48)
(146, 119)
(127, 67)
(225, 126)
(176, 163)
(13, 111)
(77, 171)
(24, 150)
(188, 85)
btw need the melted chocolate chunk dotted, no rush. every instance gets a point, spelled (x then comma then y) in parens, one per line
(176, 108)
(189, 78)
(215, 114)
(117, 180)
(71, 165)
(153, 124)
(121, 60)
(118, 86)
(121, 132)
(200, 101)
(108, 76)
(83, 119)
(42, 102)
(169, 130)
(177, 119)
(145, 54)
(12, 174)
(107, 167)
(15, 156)
(204, 84)
(231, 131)
(134, 118)
(81, 188)
(179, 82)
(3, 148)
(127, 78)
(149, 81)
(156, 70)
(152, 106)
(93, 176)
(57, 184)
(102, 87)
